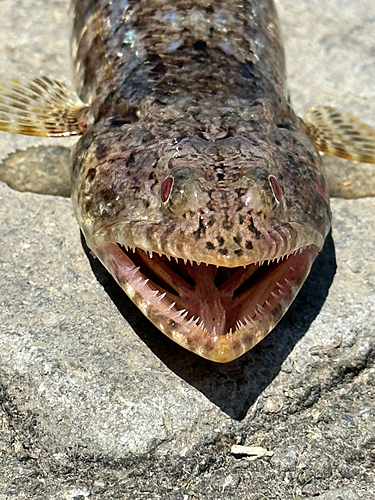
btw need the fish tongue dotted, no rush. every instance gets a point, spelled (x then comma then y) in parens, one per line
(205, 301)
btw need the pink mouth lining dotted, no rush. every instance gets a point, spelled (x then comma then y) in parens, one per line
(215, 301)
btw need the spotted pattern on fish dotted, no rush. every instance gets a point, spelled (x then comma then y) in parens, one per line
(191, 95)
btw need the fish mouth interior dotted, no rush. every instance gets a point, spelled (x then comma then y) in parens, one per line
(215, 301)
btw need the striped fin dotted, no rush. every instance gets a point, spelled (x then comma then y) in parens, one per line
(340, 134)
(41, 107)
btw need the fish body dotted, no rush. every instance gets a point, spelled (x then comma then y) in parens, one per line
(194, 182)
(195, 155)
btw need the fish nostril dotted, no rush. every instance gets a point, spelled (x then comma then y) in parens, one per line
(276, 188)
(166, 189)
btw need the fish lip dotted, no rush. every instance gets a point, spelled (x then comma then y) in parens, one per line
(158, 237)
(174, 322)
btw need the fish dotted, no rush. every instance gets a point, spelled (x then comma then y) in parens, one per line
(193, 180)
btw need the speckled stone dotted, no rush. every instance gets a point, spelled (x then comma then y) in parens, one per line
(97, 404)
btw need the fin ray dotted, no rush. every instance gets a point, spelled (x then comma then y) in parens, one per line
(41, 107)
(340, 134)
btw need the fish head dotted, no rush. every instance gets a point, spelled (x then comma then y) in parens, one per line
(211, 238)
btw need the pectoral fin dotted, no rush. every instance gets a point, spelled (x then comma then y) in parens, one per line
(340, 134)
(41, 107)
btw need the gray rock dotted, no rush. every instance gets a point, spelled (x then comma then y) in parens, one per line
(341, 494)
(97, 404)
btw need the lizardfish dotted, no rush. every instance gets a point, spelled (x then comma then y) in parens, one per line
(194, 182)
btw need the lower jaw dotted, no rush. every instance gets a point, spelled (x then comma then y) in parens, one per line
(235, 324)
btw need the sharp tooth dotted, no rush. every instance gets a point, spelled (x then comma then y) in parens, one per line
(288, 282)
(229, 333)
(150, 255)
(239, 324)
(261, 308)
(190, 320)
(274, 295)
(250, 319)
(278, 284)
(268, 303)
(257, 313)
(185, 262)
(181, 312)
(168, 257)
(171, 306)
(144, 283)
(155, 293)
(196, 321)
(201, 324)
(292, 269)
(184, 315)
(161, 297)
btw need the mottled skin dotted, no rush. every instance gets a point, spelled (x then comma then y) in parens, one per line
(193, 92)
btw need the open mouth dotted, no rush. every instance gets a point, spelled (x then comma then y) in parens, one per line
(216, 312)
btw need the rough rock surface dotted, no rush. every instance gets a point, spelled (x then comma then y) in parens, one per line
(97, 404)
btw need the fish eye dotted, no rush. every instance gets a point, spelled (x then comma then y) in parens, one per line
(276, 188)
(166, 189)
(179, 191)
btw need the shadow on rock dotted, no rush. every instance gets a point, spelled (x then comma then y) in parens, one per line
(42, 170)
(235, 386)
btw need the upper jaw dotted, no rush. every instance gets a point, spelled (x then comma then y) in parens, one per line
(168, 239)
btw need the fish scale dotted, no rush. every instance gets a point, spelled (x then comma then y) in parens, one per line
(158, 48)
